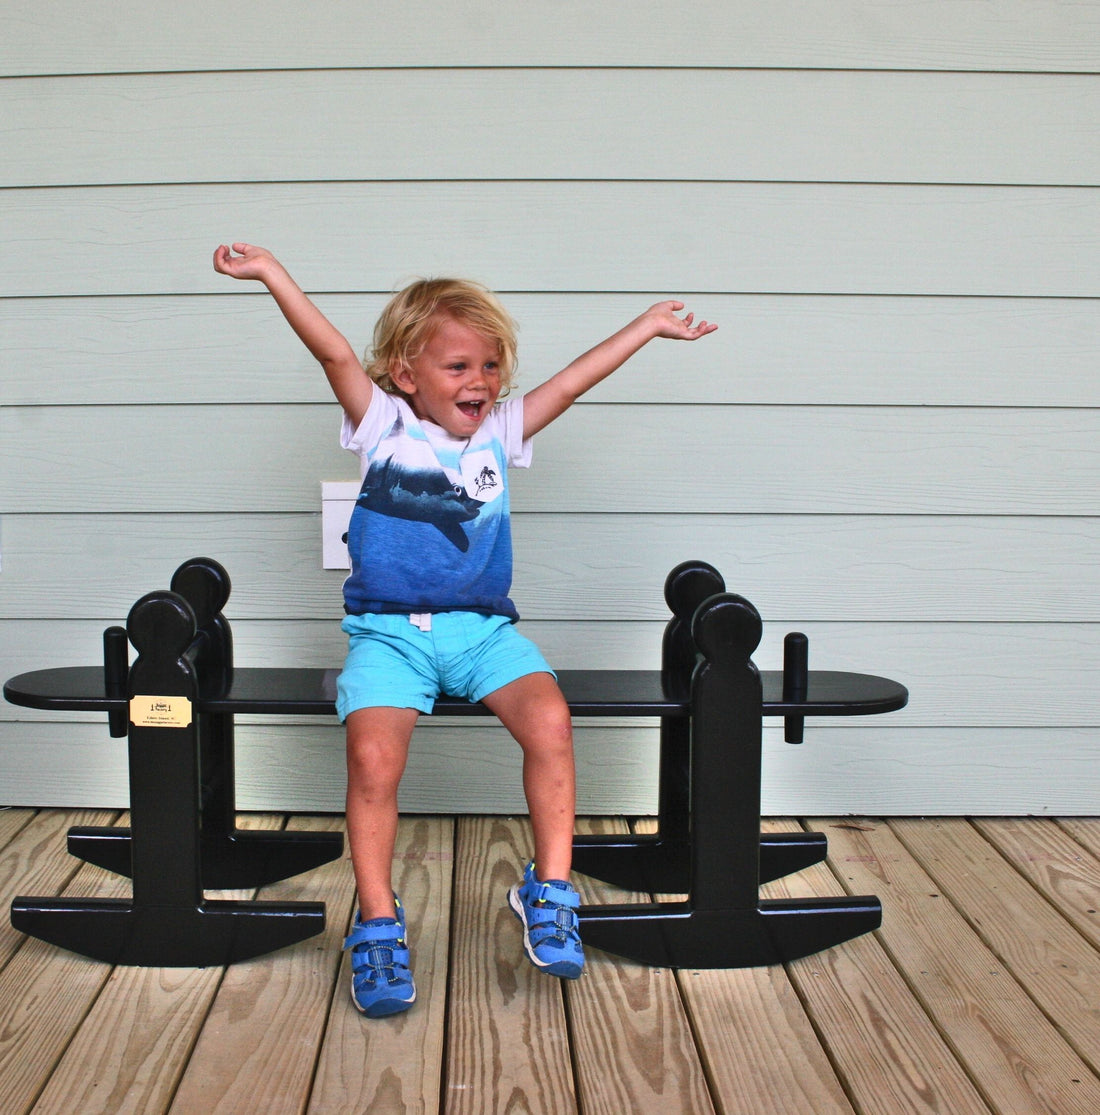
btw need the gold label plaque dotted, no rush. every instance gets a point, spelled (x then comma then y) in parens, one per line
(160, 712)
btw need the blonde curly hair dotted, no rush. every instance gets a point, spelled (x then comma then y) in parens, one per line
(412, 315)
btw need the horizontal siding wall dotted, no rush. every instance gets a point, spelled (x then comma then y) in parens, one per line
(134, 35)
(891, 443)
(716, 125)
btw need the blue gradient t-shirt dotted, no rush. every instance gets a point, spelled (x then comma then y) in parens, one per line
(430, 531)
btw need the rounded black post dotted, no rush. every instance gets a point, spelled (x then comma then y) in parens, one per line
(727, 706)
(686, 587)
(163, 753)
(796, 676)
(205, 585)
(116, 667)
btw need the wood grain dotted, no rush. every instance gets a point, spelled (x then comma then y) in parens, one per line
(46, 992)
(125, 1059)
(634, 1049)
(890, 1055)
(393, 1065)
(1054, 864)
(999, 1034)
(758, 1045)
(1085, 830)
(11, 821)
(508, 1047)
(1058, 969)
(878, 1024)
(29, 860)
(237, 1065)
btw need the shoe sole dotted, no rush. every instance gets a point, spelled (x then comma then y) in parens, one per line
(382, 1008)
(563, 969)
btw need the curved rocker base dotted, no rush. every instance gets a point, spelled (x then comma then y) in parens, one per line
(211, 935)
(673, 935)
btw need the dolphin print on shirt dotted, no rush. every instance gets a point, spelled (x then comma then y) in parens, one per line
(420, 495)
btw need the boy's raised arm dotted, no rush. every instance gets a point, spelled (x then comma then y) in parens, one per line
(550, 399)
(351, 385)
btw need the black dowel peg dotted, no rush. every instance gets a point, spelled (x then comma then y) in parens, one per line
(116, 670)
(796, 676)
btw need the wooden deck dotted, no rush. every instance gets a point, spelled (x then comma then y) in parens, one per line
(981, 993)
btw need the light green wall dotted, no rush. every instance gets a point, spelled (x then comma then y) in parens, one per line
(891, 443)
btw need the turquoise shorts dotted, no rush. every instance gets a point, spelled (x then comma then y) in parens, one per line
(393, 663)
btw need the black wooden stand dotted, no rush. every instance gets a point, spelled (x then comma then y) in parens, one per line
(724, 923)
(182, 837)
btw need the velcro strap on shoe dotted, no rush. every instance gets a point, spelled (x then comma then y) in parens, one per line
(373, 934)
(378, 951)
(560, 927)
(558, 894)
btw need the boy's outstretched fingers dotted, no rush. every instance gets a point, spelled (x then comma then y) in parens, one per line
(698, 329)
(223, 259)
(685, 328)
(242, 261)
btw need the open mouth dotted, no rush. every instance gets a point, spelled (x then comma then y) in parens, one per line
(472, 408)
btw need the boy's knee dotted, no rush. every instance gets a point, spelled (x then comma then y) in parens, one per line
(377, 749)
(375, 754)
(553, 731)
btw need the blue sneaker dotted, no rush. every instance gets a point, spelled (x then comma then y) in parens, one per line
(381, 982)
(548, 912)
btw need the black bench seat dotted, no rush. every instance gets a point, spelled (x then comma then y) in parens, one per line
(290, 691)
(177, 702)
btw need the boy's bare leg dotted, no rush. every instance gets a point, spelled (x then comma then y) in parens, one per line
(377, 749)
(533, 709)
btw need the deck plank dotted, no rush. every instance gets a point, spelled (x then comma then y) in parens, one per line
(392, 1066)
(128, 1054)
(1055, 864)
(759, 1045)
(259, 1045)
(632, 1038)
(998, 1033)
(45, 992)
(508, 1048)
(889, 1053)
(35, 862)
(1055, 965)
(1085, 830)
(11, 821)
(756, 1040)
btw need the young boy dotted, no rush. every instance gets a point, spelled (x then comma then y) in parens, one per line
(431, 565)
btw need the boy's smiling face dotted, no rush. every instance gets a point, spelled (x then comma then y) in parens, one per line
(454, 380)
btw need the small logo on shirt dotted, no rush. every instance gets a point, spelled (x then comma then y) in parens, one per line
(481, 476)
(484, 481)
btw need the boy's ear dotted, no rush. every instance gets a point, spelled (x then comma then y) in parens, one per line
(402, 377)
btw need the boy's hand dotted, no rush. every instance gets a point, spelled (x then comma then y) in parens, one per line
(665, 323)
(245, 261)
